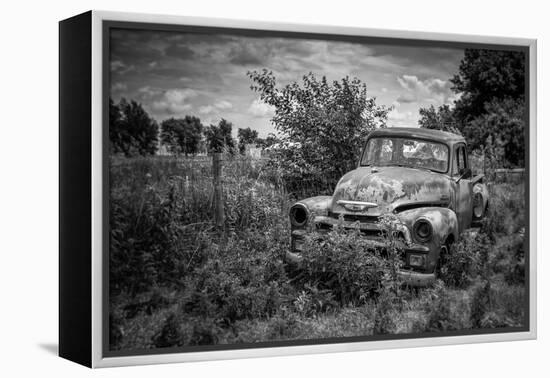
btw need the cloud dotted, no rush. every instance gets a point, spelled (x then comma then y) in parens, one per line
(410, 83)
(136, 47)
(402, 119)
(294, 48)
(148, 92)
(219, 105)
(207, 109)
(406, 98)
(396, 115)
(179, 51)
(260, 109)
(118, 87)
(439, 86)
(171, 109)
(117, 64)
(223, 104)
(155, 66)
(432, 90)
(247, 54)
(179, 95)
(175, 101)
(119, 67)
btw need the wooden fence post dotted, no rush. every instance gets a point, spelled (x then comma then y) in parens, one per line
(218, 190)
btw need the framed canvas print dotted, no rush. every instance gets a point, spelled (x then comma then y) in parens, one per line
(234, 189)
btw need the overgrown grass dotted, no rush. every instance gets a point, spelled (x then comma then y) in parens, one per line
(177, 281)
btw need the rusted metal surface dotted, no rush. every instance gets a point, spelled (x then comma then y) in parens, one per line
(391, 187)
(420, 133)
(445, 225)
(317, 205)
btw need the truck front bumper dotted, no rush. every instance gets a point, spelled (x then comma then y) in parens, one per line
(407, 276)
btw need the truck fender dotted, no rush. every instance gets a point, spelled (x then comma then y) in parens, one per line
(480, 189)
(302, 211)
(443, 220)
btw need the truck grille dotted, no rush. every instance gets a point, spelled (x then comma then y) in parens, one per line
(355, 218)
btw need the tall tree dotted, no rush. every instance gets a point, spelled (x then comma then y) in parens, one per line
(131, 130)
(143, 129)
(119, 134)
(182, 135)
(502, 124)
(322, 125)
(487, 75)
(246, 136)
(219, 138)
(226, 129)
(491, 105)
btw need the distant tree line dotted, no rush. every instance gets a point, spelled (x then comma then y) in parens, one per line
(132, 131)
(490, 109)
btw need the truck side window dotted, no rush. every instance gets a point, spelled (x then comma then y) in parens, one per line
(461, 159)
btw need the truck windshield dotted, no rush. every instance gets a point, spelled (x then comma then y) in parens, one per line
(406, 152)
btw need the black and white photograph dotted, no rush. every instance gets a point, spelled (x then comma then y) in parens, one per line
(283, 188)
(303, 188)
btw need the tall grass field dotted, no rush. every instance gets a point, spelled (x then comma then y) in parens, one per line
(177, 280)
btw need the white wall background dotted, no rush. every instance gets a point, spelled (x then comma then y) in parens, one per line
(28, 184)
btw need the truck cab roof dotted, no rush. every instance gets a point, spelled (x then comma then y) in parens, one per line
(418, 132)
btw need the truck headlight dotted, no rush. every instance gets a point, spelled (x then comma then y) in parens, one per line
(298, 215)
(423, 230)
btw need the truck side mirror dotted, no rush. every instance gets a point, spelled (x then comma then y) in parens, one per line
(464, 173)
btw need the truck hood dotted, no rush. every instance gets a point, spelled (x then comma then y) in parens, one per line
(390, 188)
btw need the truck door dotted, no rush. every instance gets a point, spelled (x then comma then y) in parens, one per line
(462, 173)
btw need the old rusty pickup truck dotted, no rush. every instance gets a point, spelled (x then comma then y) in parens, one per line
(422, 177)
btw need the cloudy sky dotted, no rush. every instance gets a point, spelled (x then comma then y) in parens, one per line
(175, 74)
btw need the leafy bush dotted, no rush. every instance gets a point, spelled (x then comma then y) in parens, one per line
(226, 296)
(462, 264)
(346, 263)
(312, 301)
(142, 232)
(322, 125)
